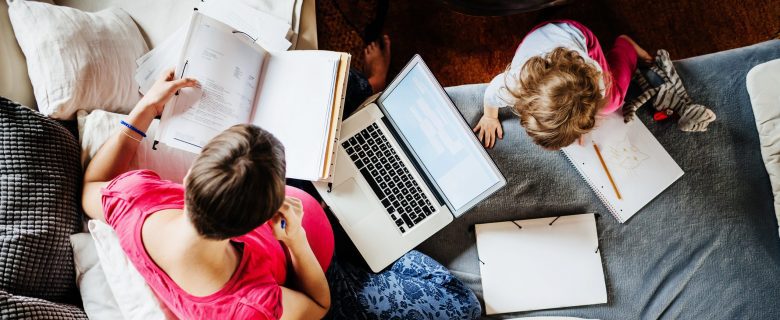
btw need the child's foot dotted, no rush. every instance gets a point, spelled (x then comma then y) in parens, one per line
(377, 63)
(641, 53)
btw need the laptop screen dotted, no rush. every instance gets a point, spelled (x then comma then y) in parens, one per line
(439, 137)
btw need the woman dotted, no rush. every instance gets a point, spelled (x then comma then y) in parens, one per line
(234, 243)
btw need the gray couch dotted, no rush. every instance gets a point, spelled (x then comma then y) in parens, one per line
(706, 248)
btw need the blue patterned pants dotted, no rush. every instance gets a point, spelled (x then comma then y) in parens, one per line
(414, 287)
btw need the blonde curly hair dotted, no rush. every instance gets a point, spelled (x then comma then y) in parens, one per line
(559, 96)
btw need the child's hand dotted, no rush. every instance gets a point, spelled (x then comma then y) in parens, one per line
(487, 129)
(287, 223)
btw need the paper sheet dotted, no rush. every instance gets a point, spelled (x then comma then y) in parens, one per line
(532, 265)
(152, 65)
(227, 67)
(303, 85)
(267, 30)
(640, 167)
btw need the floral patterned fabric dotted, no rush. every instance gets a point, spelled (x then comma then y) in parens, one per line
(414, 287)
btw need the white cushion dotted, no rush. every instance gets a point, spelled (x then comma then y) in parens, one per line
(96, 127)
(76, 59)
(764, 89)
(156, 19)
(99, 302)
(133, 296)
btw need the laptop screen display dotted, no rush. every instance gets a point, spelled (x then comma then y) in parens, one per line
(439, 137)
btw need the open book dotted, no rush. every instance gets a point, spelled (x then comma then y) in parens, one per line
(295, 95)
(627, 168)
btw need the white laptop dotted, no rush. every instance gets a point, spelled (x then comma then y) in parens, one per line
(407, 166)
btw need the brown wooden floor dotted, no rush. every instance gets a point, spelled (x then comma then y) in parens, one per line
(464, 49)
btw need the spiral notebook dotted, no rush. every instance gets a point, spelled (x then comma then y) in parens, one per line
(639, 167)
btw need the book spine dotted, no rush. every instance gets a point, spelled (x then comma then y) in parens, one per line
(337, 134)
(595, 189)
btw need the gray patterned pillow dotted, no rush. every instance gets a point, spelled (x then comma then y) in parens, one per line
(20, 307)
(40, 181)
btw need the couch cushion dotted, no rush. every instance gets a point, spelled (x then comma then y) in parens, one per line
(763, 84)
(156, 19)
(77, 59)
(21, 307)
(40, 192)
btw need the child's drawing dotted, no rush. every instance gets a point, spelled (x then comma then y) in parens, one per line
(624, 154)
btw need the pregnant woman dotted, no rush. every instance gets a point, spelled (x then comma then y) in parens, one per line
(233, 242)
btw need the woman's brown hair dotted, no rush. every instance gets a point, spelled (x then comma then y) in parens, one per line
(236, 183)
(559, 97)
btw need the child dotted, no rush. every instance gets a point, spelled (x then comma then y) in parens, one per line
(559, 80)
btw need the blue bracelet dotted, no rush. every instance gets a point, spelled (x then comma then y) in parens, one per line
(130, 126)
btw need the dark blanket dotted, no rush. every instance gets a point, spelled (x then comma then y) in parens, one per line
(706, 248)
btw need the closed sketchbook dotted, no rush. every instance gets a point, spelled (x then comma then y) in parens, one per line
(297, 96)
(540, 264)
(638, 164)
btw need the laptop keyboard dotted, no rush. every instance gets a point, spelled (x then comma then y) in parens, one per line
(387, 175)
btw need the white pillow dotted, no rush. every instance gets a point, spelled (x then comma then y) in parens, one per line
(76, 59)
(762, 85)
(99, 302)
(96, 127)
(133, 296)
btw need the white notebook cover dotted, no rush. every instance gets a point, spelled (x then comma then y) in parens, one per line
(640, 166)
(533, 265)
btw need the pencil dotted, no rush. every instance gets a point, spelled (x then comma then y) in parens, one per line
(604, 164)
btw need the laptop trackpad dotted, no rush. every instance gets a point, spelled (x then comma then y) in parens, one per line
(349, 208)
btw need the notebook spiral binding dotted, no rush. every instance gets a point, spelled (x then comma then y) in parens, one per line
(596, 190)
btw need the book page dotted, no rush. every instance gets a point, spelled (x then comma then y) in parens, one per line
(639, 165)
(335, 120)
(295, 103)
(227, 65)
(161, 58)
(269, 31)
(533, 264)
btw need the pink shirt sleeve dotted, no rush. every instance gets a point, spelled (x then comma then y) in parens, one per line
(138, 191)
(622, 60)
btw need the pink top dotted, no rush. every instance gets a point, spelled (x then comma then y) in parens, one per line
(253, 291)
(617, 65)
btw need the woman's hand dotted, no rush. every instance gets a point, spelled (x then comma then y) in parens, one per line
(313, 299)
(162, 90)
(488, 129)
(292, 233)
